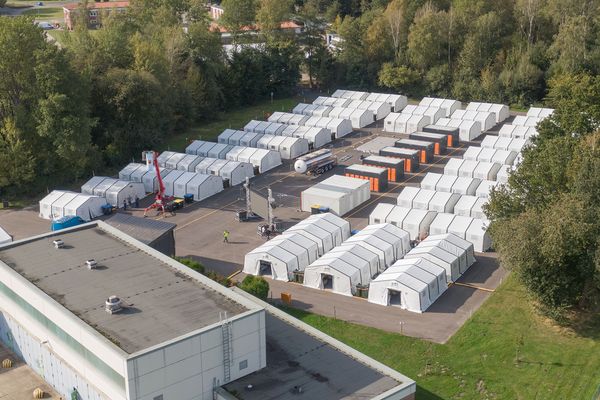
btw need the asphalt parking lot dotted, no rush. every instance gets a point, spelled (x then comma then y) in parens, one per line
(199, 235)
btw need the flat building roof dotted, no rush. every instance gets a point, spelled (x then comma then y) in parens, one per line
(162, 303)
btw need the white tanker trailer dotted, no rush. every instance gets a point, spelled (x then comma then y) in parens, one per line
(315, 163)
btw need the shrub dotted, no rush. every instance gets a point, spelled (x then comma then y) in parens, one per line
(256, 286)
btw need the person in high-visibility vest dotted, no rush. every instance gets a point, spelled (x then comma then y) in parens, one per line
(225, 236)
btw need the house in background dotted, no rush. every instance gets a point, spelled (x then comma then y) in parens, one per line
(95, 12)
(216, 11)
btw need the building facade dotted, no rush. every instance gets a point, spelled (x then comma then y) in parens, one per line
(95, 12)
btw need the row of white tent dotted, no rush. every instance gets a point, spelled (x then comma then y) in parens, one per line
(504, 143)
(339, 127)
(316, 137)
(503, 157)
(447, 105)
(396, 101)
(405, 123)
(358, 260)
(62, 203)
(418, 223)
(263, 160)
(472, 169)
(288, 147)
(117, 192)
(359, 118)
(415, 282)
(427, 199)
(379, 109)
(467, 130)
(340, 194)
(516, 131)
(485, 118)
(297, 247)
(500, 111)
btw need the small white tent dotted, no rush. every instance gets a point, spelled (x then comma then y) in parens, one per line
(434, 113)
(454, 245)
(523, 120)
(358, 117)
(500, 111)
(467, 130)
(417, 223)
(485, 188)
(339, 127)
(440, 257)
(131, 168)
(486, 119)
(448, 105)
(540, 112)
(517, 131)
(317, 137)
(263, 160)
(405, 123)
(280, 257)
(124, 192)
(332, 101)
(288, 147)
(199, 185)
(396, 101)
(379, 109)
(189, 162)
(470, 229)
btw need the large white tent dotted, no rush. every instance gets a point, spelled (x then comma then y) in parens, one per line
(473, 230)
(411, 284)
(189, 162)
(467, 130)
(523, 120)
(448, 105)
(339, 127)
(395, 242)
(288, 118)
(500, 111)
(332, 101)
(85, 206)
(502, 157)
(317, 137)
(426, 199)
(485, 118)
(326, 229)
(359, 118)
(414, 221)
(131, 168)
(440, 257)
(169, 181)
(396, 101)
(340, 194)
(485, 188)
(405, 123)
(279, 257)
(116, 192)
(263, 160)
(340, 271)
(455, 245)
(505, 172)
(312, 110)
(235, 172)
(288, 147)
(379, 109)
(504, 143)
(434, 113)
(518, 131)
(147, 176)
(200, 185)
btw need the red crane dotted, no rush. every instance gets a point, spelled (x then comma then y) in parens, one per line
(160, 199)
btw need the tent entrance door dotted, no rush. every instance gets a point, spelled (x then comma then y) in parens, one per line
(264, 268)
(327, 281)
(394, 298)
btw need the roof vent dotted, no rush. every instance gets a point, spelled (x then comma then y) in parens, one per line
(58, 244)
(113, 305)
(91, 264)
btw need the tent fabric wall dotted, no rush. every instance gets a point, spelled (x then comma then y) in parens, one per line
(131, 168)
(332, 101)
(434, 113)
(486, 119)
(540, 112)
(505, 172)
(473, 230)
(350, 94)
(343, 269)
(284, 254)
(115, 191)
(405, 123)
(85, 206)
(468, 130)
(391, 242)
(472, 169)
(327, 230)
(440, 257)
(518, 131)
(523, 120)
(201, 186)
(415, 222)
(288, 147)
(316, 137)
(500, 111)
(338, 127)
(359, 118)
(379, 109)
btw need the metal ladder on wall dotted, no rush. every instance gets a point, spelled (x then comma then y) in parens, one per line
(227, 348)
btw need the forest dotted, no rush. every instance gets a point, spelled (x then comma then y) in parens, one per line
(158, 69)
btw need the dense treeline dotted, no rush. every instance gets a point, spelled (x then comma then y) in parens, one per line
(546, 220)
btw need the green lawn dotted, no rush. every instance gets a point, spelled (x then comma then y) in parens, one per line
(505, 351)
(46, 13)
(234, 119)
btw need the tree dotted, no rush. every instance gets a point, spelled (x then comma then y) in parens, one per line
(528, 12)
(570, 50)
(429, 38)
(399, 78)
(256, 286)
(270, 15)
(238, 14)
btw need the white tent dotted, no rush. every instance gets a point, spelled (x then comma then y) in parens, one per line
(340, 193)
(219, 150)
(163, 157)
(312, 110)
(465, 205)
(472, 169)
(486, 119)
(434, 113)
(500, 111)
(405, 123)
(350, 94)
(338, 126)
(124, 192)
(437, 286)
(502, 157)
(235, 172)
(523, 120)
(467, 130)
(406, 196)
(390, 213)
(407, 285)
(288, 147)
(201, 186)
(448, 105)
(202, 148)
(125, 173)
(340, 271)
(4, 237)
(396, 101)
(464, 186)
(505, 172)
(440, 257)
(379, 109)
(189, 162)
(251, 139)
(517, 131)
(430, 181)
(485, 188)
(326, 229)
(477, 210)
(85, 206)
(454, 245)
(147, 176)
(169, 181)
(281, 256)
(389, 233)
(263, 160)
(470, 229)
(317, 137)
(93, 182)
(540, 112)
(450, 183)
(332, 101)
(193, 147)
(359, 118)
(173, 161)
(417, 223)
